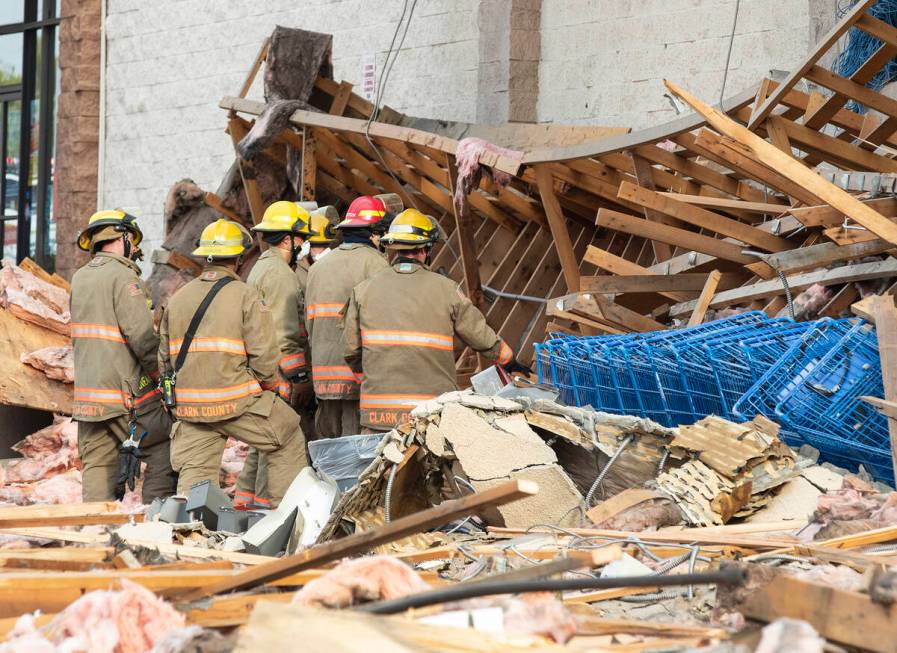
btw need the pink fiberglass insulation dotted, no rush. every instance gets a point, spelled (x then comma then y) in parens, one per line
(48, 452)
(467, 158)
(57, 363)
(357, 581)
(232, 460)
(537, 613)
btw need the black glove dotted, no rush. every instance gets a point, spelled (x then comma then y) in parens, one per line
(129, 459)
(516, 366)
(300, 377)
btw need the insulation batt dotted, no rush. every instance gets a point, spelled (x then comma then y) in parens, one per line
(32, 299)
(232, 461)
(856, 507)
(58, 363)
(373, 578)
(790, 636)
(50, 451)
(811, 301)
(130, 620)
(467, 157)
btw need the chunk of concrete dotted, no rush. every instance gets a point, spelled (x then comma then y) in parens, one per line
(148, 531)
(487, 453)
(558, 501)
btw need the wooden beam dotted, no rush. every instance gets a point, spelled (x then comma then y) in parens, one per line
(365, 541)
(700, 310)
(250, 185)
(817, 256)
(653, 283)
(793, 169)
(604, 260)
(885, 313)
(253, 71)
(309, 166)
(858, 92)
(827, 216)
(558, 224)
(341, 99)
(377, 129)
(847, 617)
(883, 406)
(726, 204)
(702, 218)
(467, 243)
(761, 112)
(836, 150)
(671, 235)
(644, 175)
(765, 289)
(211, 199)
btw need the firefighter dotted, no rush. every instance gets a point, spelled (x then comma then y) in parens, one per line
(330, 281)
(284, 227)
(223, 383)
(323, 237)
(116, 370)
(400, 326)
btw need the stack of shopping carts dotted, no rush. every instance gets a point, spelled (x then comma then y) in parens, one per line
(807, 376)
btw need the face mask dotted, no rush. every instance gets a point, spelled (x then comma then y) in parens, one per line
(305, 249)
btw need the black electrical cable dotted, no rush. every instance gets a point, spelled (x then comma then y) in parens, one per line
(487, 588)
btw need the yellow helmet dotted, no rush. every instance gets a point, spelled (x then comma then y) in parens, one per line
(410, 230)
(112, 223)
(223, 239)
(322, 221)
(286, 217)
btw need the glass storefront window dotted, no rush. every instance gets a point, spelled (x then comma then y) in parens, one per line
(28, 93)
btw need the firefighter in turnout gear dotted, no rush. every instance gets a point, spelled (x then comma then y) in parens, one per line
(330, 282)
(284, 227)
(116, 370)
(315, 248)
(400, 327)
(223, 382)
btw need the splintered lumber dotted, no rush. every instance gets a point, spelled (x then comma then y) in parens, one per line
(571, 561)
(590, 625)
(23, 385)
(81, 514)
(885, 313)
(728, 204)
(766, 289)
(847, 617)
(700, 310)
(791, 168)
(823, 254)
(360, 542)
(827, 216)
(687, 536)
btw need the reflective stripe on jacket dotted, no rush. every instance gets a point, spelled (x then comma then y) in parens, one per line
(400, 328)
(234, 355)
(113, 339)
(330, 281)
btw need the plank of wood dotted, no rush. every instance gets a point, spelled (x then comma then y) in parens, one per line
(618, 503)
(579, 319)
(30, 266)
(341, 99)
(176, 260)
(605, 310)
(842, 300)
(858, 92)
(652, 283)
(687, 536)
(885, 313)
(591, 625)
(836, 150)
(700, 310)
(702, 218)
(558, 224)
(309, 166)
(467, 243)
(847, 617)
(793, 169)
(23, 385)
(254, 69)
(361, 542)
(843, 236)
(377, 129)
(765, 289)
(580, 598)
(58, 535)
(69, 520)
(671, 235)
(724, 203)
(761, 112)
(817, 256)
(827, 216)
(883, 406)
(604, 260)
(253, 195)
(644, 174)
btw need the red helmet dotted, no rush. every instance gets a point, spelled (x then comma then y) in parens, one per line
(364, 211)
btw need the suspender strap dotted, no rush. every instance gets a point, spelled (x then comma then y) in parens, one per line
(197, 318)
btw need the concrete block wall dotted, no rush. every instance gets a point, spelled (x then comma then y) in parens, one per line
(604, 61)
(169, 62)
